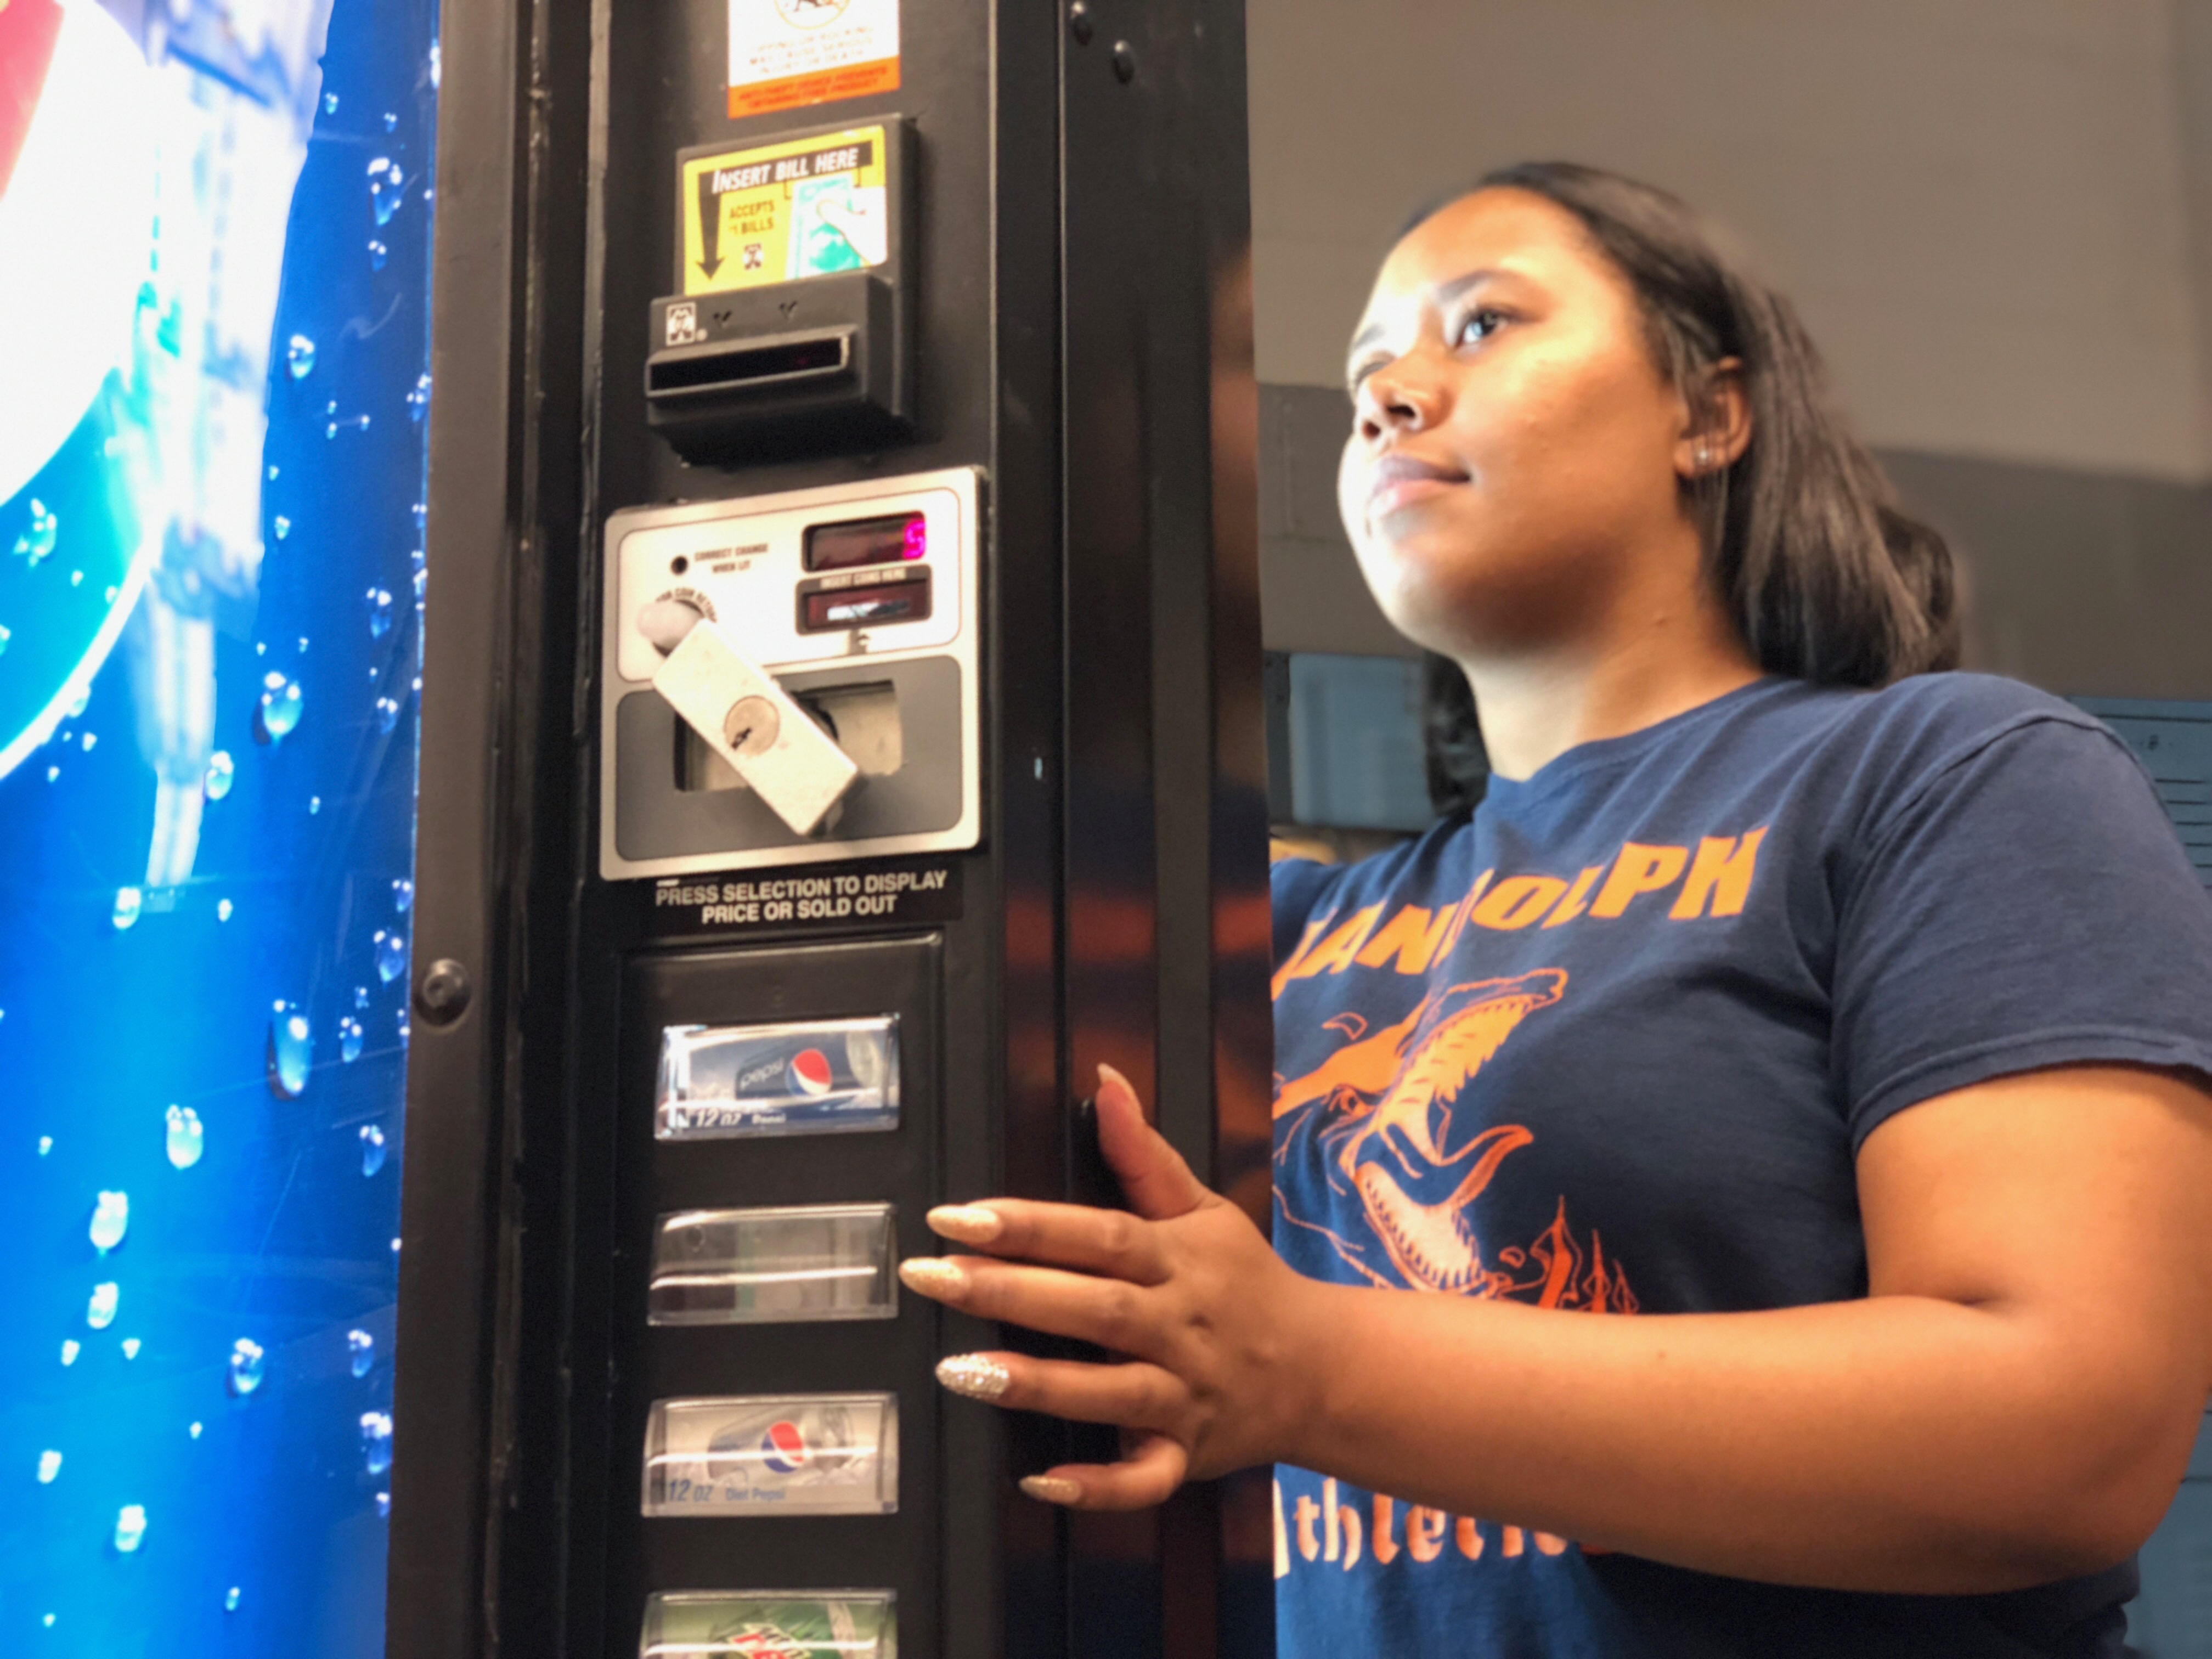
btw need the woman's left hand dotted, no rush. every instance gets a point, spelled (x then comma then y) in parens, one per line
(1208, 1317)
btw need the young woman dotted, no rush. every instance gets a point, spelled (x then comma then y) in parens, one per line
(1741, 1189)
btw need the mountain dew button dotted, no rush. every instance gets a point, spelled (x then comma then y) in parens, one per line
(770, 1624)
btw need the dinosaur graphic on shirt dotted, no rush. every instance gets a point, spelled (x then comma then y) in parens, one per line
(1394, 1114)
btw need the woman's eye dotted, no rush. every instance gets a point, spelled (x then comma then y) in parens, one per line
(1479, 325)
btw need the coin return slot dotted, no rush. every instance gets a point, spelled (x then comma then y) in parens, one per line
(741, 367)
(787, 1266)
(864, 719)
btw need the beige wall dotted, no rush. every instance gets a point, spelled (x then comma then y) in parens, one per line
(1981, 206)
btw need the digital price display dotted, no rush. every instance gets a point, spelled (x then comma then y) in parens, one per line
(898, 539)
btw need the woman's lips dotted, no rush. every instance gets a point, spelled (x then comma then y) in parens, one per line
(1391, 495)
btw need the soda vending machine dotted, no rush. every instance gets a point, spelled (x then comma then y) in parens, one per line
(842, 728)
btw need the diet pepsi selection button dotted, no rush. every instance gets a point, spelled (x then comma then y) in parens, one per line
(773, 1455)
(817, 1077)
(785, 1266)
(847, 1624)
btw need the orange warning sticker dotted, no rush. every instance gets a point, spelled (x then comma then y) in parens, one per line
(785, 54)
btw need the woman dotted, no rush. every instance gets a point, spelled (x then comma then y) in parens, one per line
(1839, 1029)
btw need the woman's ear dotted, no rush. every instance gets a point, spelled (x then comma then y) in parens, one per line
(1717, 424)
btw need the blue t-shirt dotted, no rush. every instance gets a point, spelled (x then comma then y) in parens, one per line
(1610, 1044)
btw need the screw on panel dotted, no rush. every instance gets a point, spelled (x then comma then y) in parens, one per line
(1125, 62)
(1078, 22)
(442, 995)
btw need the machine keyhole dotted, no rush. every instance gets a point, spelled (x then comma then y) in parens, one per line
(752, 725)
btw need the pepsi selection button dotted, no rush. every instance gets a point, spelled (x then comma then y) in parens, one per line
(773, 1455)
(805, 1263)
(770, 1624)
(801, 1077)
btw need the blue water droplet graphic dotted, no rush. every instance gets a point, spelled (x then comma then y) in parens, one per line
(131, 1346)
(299, 357)
(380, 613)
(128, 901)
(378, 254)
(391, 954)
(330, 103)
(419, 400)
(388, 715)
(49, 1465)
(402, 896)
(391, 121)
(223, 908)
(387, 184)
(361, 1348)
(248, 1365)
(376, 1440)
(222, 773)
(373, 1151)
(281, 525)
(186, 1140)
(39, 536)
(230, 1599)
(350, 1039)
(111, 1220)
(291, 1052)
(99, 1308)
(70, 1350)
(130, 1527)
(281, 704)
(361, 996)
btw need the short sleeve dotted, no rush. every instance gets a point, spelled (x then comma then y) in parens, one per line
(1300, 889)
(2024, 904)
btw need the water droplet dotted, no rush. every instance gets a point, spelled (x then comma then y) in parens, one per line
(76, 579)
(6, 634)
(281, 525)
(437, 63)
(49, 1465)
(280, 708)
(53, 772)
(314, 804)
(222, 773)
(377, 253)
(187, 1138)
(350, 1039)
(391, 954)
(303, 645)
(362, 1346)
(299, 357)
(330, 103)
(372, 1149)
(336, 423)
(376, 1440)
(248, 1365)
(45, 1145)
(402, 896)
(38, 538)
(130, 1527)
(131, 1346)
(383, 1513)
(69, 1351)
(100, 1311)
(387, 186)
(291, 1052)
(405, 1028)
(388, 715)
(361, 996)
(194, 1431)
(272, 472)
(419, 400)
(128, 901)
(111, 1219)
(223, 909)
(230, 1599)
(380, 613)
(90, 738)
(49, 1621)
(391, 121)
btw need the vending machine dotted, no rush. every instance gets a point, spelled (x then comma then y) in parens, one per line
(842, 731)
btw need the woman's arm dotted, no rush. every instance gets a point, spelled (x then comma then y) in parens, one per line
(2013, 1402)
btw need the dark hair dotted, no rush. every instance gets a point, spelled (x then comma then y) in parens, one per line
(1828, 581)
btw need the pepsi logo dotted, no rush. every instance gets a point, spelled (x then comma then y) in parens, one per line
(809, 1071)
(783, 1448)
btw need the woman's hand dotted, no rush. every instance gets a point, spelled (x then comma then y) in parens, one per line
(1206, 1313)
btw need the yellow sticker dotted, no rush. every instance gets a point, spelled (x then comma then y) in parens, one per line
(808, 207)
(786, 53)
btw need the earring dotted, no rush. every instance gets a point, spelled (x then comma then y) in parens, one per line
(1703, 457)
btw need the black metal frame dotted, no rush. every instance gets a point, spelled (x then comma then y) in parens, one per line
(1119, 910)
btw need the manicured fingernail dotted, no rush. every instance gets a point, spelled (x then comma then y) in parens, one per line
(1051, 1489)
(933, 1275)
(1107, 1074)
(968, 1224)
(977, 1375)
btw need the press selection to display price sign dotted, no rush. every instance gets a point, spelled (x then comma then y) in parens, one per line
(787, 53)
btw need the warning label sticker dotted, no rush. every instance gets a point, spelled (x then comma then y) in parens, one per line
(778, 212)
(903, 894)
(787, 53)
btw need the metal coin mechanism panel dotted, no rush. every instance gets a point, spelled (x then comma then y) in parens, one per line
(821, 1077)
(773, 1455)
(790, 1266)
(770, 1624)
